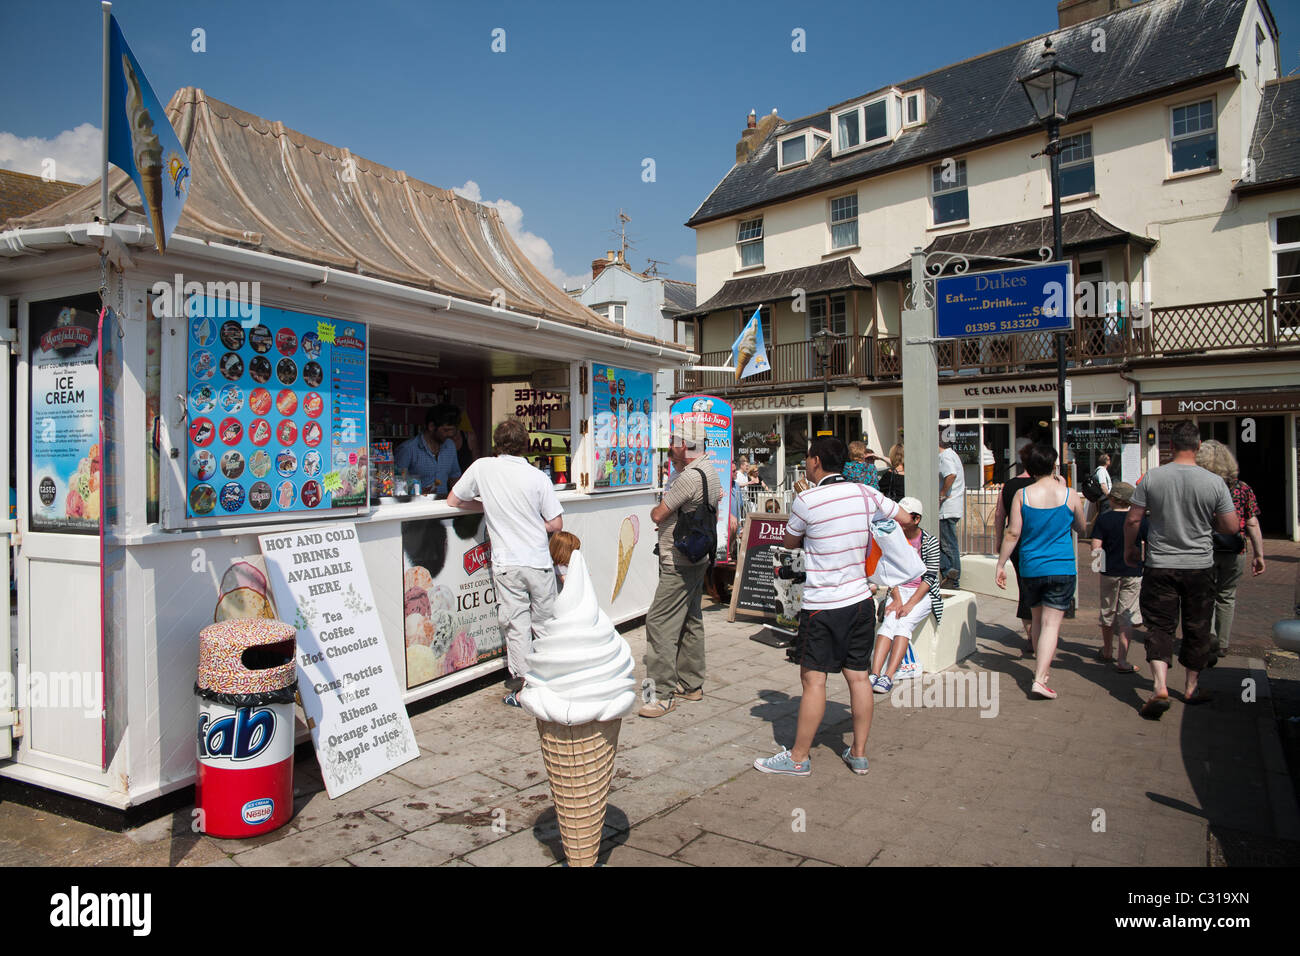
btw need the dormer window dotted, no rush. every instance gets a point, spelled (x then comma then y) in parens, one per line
(799, 148)
(869, 123)
(614, 311)
(794, 151)
(913, 109)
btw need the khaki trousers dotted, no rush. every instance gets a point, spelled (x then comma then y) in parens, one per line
(674, 628)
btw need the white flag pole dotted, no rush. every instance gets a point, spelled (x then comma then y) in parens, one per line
(103, 180)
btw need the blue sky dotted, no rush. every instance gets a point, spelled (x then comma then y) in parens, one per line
(556, 127)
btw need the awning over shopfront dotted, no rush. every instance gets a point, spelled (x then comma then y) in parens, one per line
(838, 275)
(1081, 231)
(259, 185)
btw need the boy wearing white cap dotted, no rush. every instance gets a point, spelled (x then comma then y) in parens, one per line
(909, 603)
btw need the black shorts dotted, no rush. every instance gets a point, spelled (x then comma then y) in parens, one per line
(837, 638)
(1053, 590)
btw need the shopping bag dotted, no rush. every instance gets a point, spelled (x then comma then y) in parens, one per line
(910, 667)
(891, 559)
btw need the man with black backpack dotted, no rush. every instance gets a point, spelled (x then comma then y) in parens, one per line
(1096, 486)
(687, 522)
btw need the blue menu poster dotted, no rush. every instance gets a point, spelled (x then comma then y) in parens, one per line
(277, 412)
(623, 407)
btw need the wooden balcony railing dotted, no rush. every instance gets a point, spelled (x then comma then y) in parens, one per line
(797, 362)
(1268, 322)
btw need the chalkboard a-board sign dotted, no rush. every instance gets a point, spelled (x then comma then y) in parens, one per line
(753, 594)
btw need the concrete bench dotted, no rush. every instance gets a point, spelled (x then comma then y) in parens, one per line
(952, 641)
(978, 572)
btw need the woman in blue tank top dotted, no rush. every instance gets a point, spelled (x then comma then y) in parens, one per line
(1045, 517)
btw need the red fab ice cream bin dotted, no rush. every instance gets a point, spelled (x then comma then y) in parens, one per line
(246, 685)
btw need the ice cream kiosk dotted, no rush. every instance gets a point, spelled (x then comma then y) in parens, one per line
(259, 377)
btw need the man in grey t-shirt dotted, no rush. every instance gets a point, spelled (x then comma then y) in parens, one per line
(1183, 504)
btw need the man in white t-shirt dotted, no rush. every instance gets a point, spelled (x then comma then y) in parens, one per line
(1103, 472)
(952, 502)
(521, 508)
(831, 521)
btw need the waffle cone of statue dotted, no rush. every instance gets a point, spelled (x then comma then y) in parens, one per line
(580, 765)
(579, 685)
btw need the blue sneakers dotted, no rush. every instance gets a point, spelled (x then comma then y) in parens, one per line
(856, 764)
(511, 700)
(882, 685)
(785, 763)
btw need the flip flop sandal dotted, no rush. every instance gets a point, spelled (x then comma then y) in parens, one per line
(1126, 669)
(1104, 657)
(1200, 697)
(1155, 708)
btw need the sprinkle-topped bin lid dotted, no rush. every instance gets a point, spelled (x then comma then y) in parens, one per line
(246, 656)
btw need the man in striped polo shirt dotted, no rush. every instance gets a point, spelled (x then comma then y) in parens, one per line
(831, 521)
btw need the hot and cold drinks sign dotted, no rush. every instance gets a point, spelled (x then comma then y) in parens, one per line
(350, 692)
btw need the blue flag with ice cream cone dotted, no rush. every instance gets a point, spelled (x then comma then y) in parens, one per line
(748, 352)
(141, 140)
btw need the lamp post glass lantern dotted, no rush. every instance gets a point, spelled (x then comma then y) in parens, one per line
(1050, 90)
(822, 344)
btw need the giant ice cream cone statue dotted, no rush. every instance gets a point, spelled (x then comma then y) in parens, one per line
(148, 154)
(579, 686)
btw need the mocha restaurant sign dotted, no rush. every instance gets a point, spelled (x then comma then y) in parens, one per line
(1230, 404)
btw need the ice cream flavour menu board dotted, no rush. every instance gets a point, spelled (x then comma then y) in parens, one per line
(65, 471)
(623, 406)
(276, 411)
(350, 692)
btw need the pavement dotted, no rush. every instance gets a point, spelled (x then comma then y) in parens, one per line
(992, 778)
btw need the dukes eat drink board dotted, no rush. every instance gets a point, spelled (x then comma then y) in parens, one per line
(277, 412)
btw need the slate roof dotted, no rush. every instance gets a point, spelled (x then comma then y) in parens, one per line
(1080, 231)
(678, 296)
(1152, 47)
(835, 276)
(257, 184)
(22, 194)
(1275, 147)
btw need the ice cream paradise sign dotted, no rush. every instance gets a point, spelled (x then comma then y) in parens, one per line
(349, 688)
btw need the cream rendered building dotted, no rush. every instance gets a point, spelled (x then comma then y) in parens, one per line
(1181, 205)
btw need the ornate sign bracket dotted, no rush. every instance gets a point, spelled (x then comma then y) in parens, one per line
(937, 262)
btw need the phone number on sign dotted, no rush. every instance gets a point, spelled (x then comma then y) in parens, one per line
(1007, 325)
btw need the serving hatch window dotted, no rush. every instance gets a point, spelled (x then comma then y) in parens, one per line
(434, 405)
(541, 401)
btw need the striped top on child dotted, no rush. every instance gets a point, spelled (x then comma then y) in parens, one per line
(834, 521)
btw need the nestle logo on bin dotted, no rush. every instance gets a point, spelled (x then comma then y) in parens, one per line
(258, 811)
(476, 559)
(241, 736)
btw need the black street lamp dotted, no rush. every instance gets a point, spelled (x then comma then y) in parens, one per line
(1050, 89)
(823, 342)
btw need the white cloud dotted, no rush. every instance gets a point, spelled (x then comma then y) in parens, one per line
(76, 154)
(537, 249)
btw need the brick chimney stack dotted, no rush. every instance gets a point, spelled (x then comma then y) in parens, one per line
(1070, 12)
(756, 131)
(612, 257)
